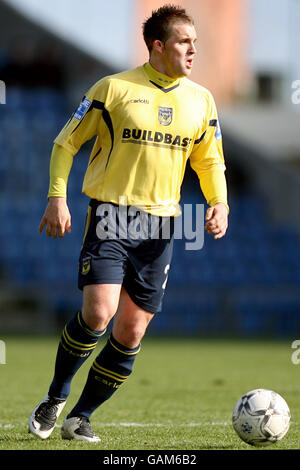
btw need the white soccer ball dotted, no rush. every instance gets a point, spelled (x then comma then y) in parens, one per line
(261, 417)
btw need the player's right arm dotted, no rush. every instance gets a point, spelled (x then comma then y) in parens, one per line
(57, 218)
(207, 160)
(80, 128)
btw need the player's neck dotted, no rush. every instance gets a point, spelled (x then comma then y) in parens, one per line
(156, 73)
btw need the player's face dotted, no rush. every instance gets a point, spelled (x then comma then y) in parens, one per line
(179, 50)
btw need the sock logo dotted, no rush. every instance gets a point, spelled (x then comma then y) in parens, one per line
(106, 382)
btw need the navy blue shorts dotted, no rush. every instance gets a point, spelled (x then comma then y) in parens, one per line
(127, 246)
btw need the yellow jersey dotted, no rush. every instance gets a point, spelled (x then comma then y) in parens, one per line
(147, 126)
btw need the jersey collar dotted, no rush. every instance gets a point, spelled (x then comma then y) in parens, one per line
(161, 81)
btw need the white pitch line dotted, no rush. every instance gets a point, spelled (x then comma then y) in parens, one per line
(159, 425)
(138, 425)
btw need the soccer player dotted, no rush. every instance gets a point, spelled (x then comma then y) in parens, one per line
(147, 122)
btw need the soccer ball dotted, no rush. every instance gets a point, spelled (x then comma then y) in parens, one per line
(261, 417)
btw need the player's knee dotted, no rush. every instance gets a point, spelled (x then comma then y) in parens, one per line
(99, 306)
(97, 317)
(130, 335)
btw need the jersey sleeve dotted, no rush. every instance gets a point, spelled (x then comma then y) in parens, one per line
(84, 122)
(60, 166)
(207, 158)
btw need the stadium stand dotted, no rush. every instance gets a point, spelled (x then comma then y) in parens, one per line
(246, 283)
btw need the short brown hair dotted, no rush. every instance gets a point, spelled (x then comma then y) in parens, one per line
(157, 26)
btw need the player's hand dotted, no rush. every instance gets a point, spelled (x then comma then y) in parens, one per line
(217, 220)
(57, 218)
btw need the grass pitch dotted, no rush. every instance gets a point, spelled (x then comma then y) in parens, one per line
(179, 397)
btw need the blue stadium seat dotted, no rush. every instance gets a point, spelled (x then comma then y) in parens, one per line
(255, 251)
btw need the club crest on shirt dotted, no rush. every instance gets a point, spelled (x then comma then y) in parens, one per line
(165, 115)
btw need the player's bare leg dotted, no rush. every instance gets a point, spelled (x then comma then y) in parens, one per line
(100, 303)
(130, 322)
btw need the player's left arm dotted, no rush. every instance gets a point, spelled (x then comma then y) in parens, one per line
(214, 188)
(217, 220)
(207, 160)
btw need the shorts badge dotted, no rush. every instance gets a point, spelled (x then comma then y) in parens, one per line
(86, 265)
